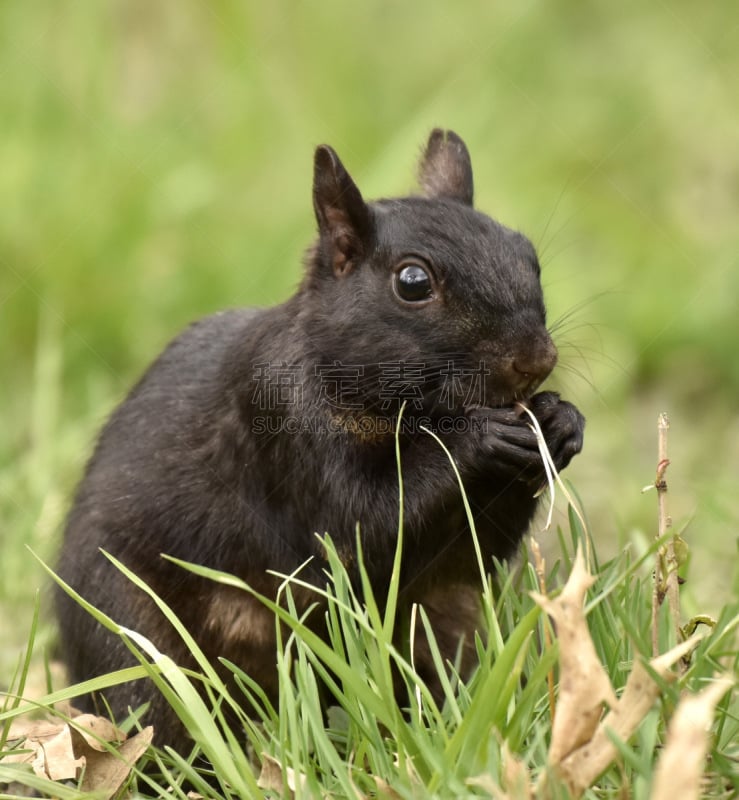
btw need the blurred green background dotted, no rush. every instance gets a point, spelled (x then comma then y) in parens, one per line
(155, 165)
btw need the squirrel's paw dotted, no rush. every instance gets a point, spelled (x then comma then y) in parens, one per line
(562, 425)
(507, 443)
(504, 443)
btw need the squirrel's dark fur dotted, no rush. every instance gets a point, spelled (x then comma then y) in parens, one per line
(256, 429)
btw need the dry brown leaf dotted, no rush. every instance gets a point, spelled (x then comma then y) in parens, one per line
(271, 777)
(487, 784)
(515, 781)
(60, 763)
(384, 789)
(680, 766)
(582, 767)
(584, 687)
(25, 743)
(49, 745)
(516, 778)
(518, 789)
(106, 771)
(581, 748)
(96, 730)
(28, 728)
(60, 751)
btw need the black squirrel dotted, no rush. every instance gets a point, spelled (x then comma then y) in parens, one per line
(256, 429)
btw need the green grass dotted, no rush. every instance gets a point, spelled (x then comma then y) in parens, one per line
(371, 740)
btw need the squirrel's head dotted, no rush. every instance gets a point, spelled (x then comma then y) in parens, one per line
(425, 294)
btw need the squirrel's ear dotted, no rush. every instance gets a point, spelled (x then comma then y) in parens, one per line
(344, 221)
(445, 169)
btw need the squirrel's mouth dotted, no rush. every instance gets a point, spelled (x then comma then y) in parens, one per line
(497, 396)
(508, 401)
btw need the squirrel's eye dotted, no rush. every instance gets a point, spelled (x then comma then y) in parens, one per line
(413, 283)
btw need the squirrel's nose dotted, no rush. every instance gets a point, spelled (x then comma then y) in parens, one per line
(529, 367)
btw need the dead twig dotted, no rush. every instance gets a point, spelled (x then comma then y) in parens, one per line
(666, 580)
(540, 567)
